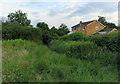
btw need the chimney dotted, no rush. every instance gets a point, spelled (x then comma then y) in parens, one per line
(80, 22)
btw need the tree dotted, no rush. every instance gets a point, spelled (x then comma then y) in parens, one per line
(107, 24)
(63, 30)
(54, 30)
(102, 19)
(42, 25)
(13, 30)
(19, 17)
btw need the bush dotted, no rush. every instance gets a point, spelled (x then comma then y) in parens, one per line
(110, 41)
(114, 41)
(74, 36)
(75, 49)
(48, 36)
(84, 50)
(12, 30)
(80, 49)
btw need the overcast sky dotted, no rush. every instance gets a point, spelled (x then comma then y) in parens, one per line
(56, 12)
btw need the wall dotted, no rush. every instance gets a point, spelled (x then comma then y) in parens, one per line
(77, 29)
(91, 28)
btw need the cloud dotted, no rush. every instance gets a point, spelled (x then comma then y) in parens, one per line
(54, 6)
(63, 8)
(52, 13)
(59, 0)
(34, 13)
(101, 7)
(55, 13)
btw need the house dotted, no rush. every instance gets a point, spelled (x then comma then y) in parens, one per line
(101, 32)
(113, 30)
(89, 27)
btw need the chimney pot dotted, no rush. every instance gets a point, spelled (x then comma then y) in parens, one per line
(80, 22)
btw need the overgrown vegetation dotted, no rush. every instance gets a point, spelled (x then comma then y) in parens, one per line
(111, 41)
(27, 61)
(13, 30)
(85, 51)
(41, 54)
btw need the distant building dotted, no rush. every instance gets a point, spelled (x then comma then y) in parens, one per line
(113, 30)
(89, 27)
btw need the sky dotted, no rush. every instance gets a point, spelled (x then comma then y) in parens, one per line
(69, 12)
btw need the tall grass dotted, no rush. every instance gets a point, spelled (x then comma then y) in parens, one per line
(110, 41)
(25, 61)
(84, 50)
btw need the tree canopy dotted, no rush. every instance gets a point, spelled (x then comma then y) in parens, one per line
(63, 29)
(107, 24)
(19, 17)
(42, 25)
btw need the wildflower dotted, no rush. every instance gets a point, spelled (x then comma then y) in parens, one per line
(9, 76)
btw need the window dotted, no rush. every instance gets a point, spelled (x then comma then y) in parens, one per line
(83, 28)
(75, 28)
(79, 28)
(96, 28)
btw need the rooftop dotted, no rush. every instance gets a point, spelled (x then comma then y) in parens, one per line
(83, 24)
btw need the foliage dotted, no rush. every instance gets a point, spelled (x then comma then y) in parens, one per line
(62, 30)
(74, 36)
(42, 25)
(54, 30)
(74, 57)
(46, 36)
(13, 30)
(107, 24)
(28, 61)
(19, 17)
(18, 26)
(85, 51)
(111, 41)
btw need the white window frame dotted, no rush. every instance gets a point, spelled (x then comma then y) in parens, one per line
(96, 28)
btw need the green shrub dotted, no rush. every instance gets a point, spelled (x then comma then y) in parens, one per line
(47, 36)
(12, 30)
(76, 49)
(80, 49)
(114, 41)
(84, 50)
(111, 41)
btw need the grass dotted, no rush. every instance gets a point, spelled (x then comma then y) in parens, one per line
(85, 50)
(25, 61)
(63, 46)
